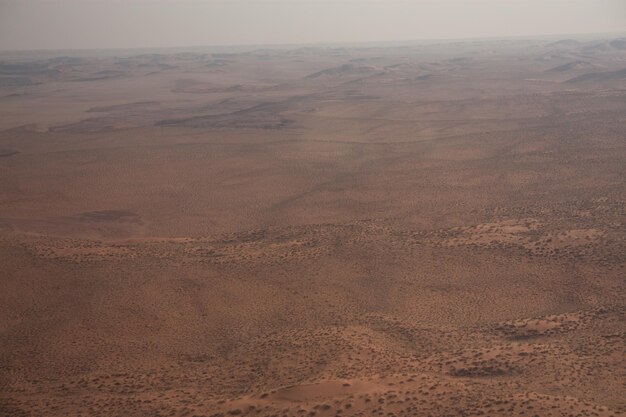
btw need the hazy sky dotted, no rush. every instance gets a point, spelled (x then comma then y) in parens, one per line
(55, 24)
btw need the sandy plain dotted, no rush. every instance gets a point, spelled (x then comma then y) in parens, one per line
(413, 230)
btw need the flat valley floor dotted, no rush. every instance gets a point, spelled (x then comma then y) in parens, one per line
(399, 230)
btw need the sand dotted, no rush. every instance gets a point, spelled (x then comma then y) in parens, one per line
(431, 230)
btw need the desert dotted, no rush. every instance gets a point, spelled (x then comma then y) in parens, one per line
(421, 229)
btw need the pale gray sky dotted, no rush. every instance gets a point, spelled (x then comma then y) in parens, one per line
(65, 24)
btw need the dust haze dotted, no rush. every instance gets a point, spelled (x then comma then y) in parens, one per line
(385, 227)
(87, 24)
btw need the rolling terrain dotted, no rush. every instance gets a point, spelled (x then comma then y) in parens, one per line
(433, 229)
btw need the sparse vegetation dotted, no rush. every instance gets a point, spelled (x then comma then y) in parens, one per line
(432, 230)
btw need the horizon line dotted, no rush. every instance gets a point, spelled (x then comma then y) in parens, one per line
(323, 44)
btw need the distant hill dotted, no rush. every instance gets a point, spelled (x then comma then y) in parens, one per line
(343, 70)
(574, 65)
(605, 46)
(600, 76)
(618, 43)
(565, 43)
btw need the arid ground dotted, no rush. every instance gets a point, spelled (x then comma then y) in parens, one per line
(430, 229)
